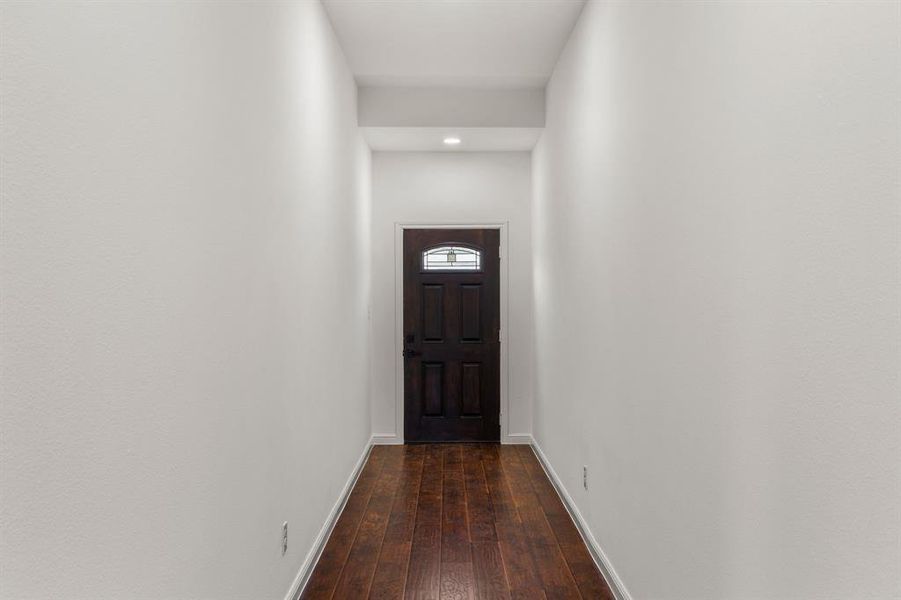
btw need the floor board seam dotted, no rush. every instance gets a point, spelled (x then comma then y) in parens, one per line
(384, 533)
(357, 529)
(544, 513)
(497, 542)
(506, 477)
(415, 516)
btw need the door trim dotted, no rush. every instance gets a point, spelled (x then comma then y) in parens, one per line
(399, 321)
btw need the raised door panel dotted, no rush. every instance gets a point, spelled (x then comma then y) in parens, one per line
(432, 389)
(471, 312)
(471, 393)
(433, 313)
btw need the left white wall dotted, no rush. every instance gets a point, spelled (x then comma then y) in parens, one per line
(184, 277)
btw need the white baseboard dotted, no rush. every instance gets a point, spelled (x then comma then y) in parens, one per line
(517, 438)
(387, 439)
(597, 553)
(309, 563)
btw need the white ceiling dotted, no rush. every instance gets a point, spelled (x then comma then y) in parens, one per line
(466, 43)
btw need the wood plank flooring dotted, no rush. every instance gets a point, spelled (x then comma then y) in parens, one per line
(455, 521)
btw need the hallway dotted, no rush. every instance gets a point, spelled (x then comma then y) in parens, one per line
(638, 259)
(455, 521)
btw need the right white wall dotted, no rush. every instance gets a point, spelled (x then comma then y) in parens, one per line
(716, 250)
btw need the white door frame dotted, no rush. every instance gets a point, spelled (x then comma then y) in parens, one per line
(399, 318)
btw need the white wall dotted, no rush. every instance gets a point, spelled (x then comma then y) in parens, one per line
(184, 289)
(450, 188)
(716, 226)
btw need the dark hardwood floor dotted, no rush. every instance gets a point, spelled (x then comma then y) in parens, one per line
(455, 521)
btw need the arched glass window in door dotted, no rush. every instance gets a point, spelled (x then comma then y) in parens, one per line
(452, 258)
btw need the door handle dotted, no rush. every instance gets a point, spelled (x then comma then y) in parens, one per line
(409, 352)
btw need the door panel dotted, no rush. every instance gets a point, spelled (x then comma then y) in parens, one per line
(432, 389)
(472, 389)
(470, 313)
(433, 313)
(451, 326)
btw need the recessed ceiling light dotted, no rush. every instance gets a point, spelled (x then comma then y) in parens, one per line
(451, 141)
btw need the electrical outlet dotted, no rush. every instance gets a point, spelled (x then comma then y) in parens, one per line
(284, 538)
(585, 476)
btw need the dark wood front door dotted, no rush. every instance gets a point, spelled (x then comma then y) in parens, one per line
(451, 329)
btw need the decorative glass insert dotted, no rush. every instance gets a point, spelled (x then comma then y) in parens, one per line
(451, 258)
